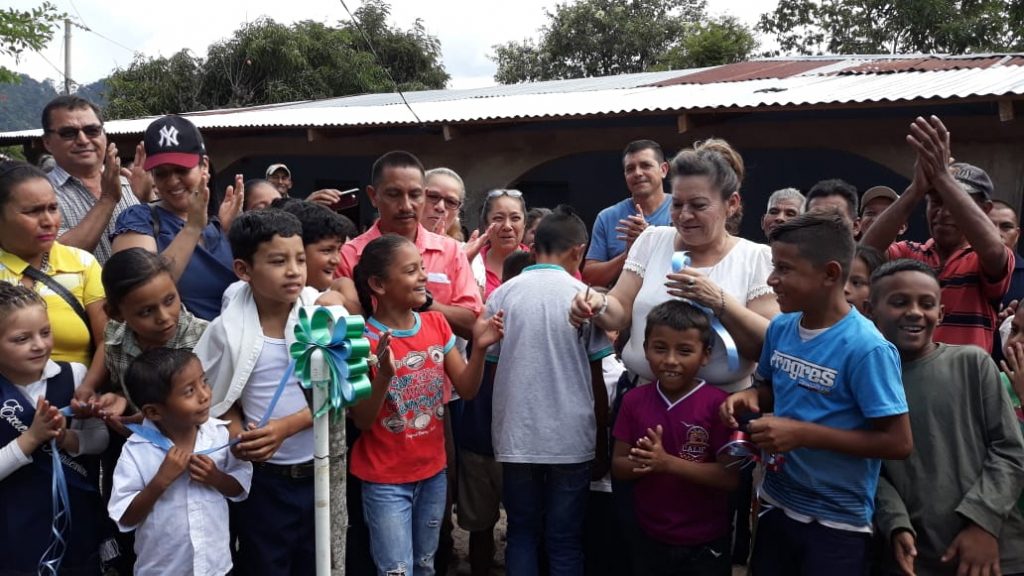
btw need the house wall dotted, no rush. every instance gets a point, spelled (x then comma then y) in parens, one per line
(864, 146)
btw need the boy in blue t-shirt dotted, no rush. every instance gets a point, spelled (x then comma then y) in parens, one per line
(833, 385)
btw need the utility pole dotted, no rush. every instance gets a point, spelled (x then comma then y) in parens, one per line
(67, 55)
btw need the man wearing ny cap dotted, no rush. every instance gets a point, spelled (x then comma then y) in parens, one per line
(73, 133)
(874, 201)
(973, 264)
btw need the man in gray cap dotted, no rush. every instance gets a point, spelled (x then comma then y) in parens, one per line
(874, 201)
(973, 264)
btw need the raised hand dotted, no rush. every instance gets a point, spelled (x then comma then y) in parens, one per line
(142, 184)
(1013, 366)
(110, 181)
(385, 362)
(930, 140)
(477, 241)
(231, 206)
(630, 227)
(197, 203)
(488, 331)
(48, 424)
(327, 197)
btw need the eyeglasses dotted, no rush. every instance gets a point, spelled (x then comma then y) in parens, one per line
(71, 132)
(434, 197)
(503, 192)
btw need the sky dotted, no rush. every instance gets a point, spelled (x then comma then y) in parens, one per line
(467, 29)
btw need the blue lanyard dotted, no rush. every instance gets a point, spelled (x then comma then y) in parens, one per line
(157, 438)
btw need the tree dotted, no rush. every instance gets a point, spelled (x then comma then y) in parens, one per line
(265, 62)
(606, 37)
(721, 41)
(22, 30)
(896, 26)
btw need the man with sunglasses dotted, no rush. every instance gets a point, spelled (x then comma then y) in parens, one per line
(73, 133)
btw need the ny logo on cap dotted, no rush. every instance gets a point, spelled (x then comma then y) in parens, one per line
(168, 136)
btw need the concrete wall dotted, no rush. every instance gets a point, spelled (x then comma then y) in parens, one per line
(865, 146)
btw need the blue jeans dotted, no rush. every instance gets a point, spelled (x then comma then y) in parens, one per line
(548, 500)
(405, 523)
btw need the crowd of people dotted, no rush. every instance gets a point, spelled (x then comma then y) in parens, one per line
(655, 395)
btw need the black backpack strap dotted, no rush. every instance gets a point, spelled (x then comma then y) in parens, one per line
(154, 222)
(40, 276)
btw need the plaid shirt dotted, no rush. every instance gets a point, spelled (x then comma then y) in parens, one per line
(75, 201)
(122, 347)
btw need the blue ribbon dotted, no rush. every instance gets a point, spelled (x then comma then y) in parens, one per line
(53, 556)
(344, 349)
(681, 260)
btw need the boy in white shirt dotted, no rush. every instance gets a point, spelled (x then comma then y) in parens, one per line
(180, 520)
(245, 354)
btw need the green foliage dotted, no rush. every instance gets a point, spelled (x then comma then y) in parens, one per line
(22, 103)
(711, 43)
(22, 30)
(606, 37)
(265, 62)
(896, 26)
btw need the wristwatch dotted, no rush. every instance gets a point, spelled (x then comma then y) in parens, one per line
(426, 305)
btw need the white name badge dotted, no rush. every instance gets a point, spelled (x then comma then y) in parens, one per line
(438, 278)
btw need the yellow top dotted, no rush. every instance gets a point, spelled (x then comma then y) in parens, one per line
(79, 272)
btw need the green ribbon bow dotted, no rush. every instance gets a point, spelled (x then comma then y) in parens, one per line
(339, 339)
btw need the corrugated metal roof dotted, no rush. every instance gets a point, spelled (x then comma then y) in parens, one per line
(818, 85)
(922, 64)
(755, 70)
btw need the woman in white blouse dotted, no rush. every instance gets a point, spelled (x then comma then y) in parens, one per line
(727, 274)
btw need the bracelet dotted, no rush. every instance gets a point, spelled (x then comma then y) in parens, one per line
(721, 309)
(604, 306)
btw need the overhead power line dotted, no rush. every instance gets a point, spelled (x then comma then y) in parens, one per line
(380, 62)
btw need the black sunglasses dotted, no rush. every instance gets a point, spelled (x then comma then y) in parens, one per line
(71, 132)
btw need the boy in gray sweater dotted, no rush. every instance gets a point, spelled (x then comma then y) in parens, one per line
(950, 508)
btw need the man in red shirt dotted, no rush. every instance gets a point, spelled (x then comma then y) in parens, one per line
(973, 265)
(397, 192)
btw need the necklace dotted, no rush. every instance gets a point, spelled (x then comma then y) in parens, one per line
(44, 265)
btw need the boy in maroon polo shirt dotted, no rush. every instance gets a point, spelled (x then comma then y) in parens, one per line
(965, 250)
(667, 438)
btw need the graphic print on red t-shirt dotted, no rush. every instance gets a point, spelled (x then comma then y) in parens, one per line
(406, 441)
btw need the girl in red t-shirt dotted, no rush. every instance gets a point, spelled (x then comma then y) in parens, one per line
(400, 455)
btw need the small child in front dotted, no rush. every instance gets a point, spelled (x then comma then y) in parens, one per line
(667, 438)
(549, 423)
(165, 488)
(833, 384)
(245, 354)
(949, 508)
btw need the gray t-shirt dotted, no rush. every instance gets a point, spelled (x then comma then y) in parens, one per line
(543, 410)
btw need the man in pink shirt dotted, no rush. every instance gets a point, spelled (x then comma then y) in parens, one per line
(397, 192)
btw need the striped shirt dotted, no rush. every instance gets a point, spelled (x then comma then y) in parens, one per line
(75, 201)
(969, 298)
